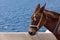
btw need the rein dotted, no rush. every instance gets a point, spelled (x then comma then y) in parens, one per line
(56, 26)
(39, 22)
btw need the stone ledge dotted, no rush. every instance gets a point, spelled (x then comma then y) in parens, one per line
(26, 36)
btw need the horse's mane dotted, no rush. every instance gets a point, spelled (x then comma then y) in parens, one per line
(52, 13)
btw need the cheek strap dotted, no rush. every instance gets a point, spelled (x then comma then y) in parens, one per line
(38, 23)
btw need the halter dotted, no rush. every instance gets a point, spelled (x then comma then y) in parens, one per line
(56, 26)
(39, 22)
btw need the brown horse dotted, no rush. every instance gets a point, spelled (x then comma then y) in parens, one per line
(43, 17)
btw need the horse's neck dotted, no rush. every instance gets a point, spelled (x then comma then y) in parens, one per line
(51, 21)
(54, 14)
(50, 24)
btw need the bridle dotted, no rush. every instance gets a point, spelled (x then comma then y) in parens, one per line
(39, 22)
(54, 31)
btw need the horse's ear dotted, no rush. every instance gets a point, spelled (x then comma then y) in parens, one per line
(43, 7)
(37, 8)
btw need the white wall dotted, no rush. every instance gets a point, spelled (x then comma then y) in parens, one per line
(26, 36)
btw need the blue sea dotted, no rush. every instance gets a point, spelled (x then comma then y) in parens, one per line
(15, 15)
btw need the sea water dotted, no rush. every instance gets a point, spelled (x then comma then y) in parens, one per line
(15, 15)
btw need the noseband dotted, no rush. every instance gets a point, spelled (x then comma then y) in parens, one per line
(39, 22)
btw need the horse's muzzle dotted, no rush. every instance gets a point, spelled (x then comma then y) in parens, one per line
(32, 33)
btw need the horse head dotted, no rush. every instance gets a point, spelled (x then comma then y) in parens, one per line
(37, 19)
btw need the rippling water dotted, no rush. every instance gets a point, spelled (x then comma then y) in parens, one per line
(15, 14)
